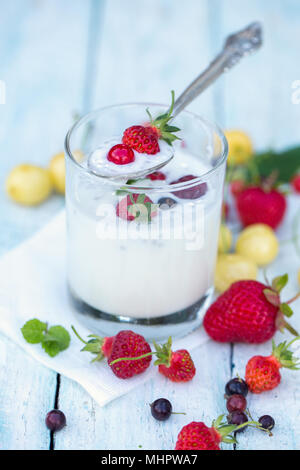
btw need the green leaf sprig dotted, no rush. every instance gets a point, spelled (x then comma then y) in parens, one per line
(53, 340)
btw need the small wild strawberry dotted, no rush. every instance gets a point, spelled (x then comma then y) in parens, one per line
(120, 154)
(177, 366)
(262, 373)
(144, 139)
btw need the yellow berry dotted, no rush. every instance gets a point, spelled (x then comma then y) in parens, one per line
(29, 184)
(57, 170)
(231, 268)
(259, 243)
(240, 148)
(225, 239)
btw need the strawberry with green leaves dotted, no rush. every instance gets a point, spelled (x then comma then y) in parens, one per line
(177, 366)
(263, 373)
(125, 344)
(198, 436)
(249, 312)
(145, 139)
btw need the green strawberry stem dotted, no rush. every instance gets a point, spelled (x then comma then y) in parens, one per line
(163, 353)
(78, 336)
(120, 359)
(161, 123)
(93, 346)
(225, 429)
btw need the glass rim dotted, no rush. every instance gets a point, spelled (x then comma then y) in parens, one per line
(187, 184)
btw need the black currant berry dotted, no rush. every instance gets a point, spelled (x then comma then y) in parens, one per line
(267, 422)
(166, 203)
(236, 386)
(161, 409)
(55, 420)
(237, 417)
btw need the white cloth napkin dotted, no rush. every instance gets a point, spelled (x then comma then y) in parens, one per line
(33, 285)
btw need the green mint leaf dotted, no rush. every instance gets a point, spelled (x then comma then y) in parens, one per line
(51, 348)
(33, 331)
(57, 335)
(53, 340)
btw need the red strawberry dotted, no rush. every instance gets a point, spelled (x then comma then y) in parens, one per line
(296, 183)
(193, 192)
(125, 344)
(135, 206)
(129, 344)
(120, 154)
(157, 175)
(177, 366)
(141, 140)
(248, 312)
(262, 373)
(257, 206)
(198, 436)
(144, 139)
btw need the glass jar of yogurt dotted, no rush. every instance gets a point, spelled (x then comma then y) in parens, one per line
(142, 252)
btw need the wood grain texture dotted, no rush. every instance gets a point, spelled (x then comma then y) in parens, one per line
(58, 57)
(42, 60)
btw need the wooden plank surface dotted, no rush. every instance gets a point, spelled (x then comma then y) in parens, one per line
(58, 57)
(43, 59)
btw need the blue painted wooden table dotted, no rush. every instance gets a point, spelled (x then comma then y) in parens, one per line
(61, 57)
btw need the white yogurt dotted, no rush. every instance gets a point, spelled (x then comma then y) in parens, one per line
(140, 276)
(99, 164)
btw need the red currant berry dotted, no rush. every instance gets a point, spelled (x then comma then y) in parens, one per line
(120, 154)
(236, 403)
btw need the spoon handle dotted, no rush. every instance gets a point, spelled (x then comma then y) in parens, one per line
(236, 47)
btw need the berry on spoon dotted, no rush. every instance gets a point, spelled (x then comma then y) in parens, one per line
(120, 154)
(144, 139)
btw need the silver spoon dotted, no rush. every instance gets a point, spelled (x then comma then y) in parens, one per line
(237, 46)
